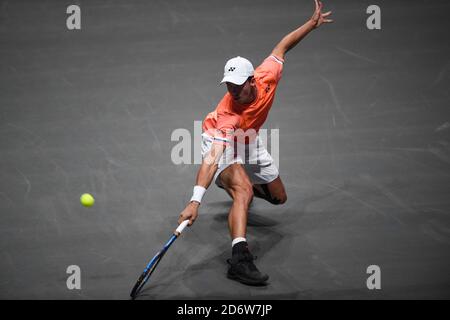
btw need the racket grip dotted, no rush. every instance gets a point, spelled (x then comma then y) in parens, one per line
(181, 227)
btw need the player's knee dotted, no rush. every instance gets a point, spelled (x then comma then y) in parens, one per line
(283, 198)
(244, 193)
(279, 199)
(247, 193)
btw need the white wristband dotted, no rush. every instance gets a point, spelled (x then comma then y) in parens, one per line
(198, 193)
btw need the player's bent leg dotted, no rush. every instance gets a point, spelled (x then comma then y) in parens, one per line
(273, 192)
(238, 185)
(221, 187)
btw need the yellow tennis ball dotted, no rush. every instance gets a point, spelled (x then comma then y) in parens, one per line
(87, 200)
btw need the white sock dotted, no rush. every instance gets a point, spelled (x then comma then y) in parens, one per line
(237, 240)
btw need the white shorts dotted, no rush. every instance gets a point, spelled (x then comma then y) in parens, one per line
(255, 159)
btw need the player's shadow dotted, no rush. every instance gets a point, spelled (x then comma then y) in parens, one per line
(254, 219)
(269, 236)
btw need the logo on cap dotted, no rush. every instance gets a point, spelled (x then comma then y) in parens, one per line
(237, 70)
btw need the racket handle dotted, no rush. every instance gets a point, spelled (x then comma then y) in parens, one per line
(181, 227)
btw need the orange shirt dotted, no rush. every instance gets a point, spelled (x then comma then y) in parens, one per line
(229, 116)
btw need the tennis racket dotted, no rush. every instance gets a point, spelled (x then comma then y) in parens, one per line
(151, 266)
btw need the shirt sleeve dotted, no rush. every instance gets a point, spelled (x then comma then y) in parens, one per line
(272, 66)
(227, 123)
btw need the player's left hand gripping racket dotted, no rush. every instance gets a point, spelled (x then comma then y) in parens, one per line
(155, 261)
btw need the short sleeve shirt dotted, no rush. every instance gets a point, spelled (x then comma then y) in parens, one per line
(229, 116)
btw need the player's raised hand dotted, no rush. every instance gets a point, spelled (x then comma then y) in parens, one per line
(318, 18)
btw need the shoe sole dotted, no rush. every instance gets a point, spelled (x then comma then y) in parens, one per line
(247, 281)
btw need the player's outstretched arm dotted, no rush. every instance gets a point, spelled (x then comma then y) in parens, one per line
(292, 39)
(204, 177)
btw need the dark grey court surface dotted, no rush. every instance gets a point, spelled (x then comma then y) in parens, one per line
(364, 130)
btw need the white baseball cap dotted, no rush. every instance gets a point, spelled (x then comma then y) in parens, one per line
(237, 70)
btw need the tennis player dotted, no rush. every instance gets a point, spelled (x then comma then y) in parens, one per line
(233, 126)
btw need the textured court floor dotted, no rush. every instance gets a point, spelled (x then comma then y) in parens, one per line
(364, 130)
